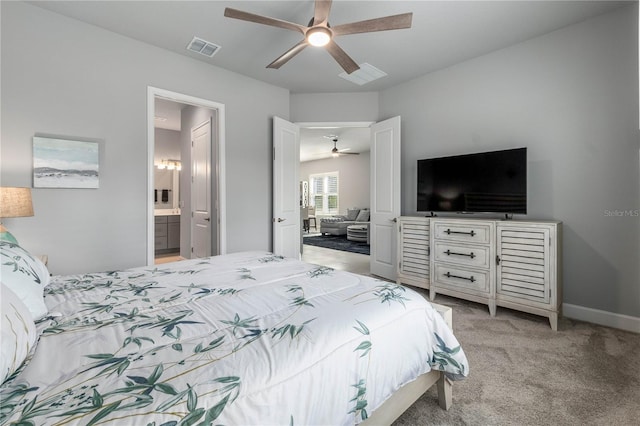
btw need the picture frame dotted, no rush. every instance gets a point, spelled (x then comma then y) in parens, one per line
(65, 163)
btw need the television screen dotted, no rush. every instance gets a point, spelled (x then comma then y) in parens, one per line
(489, 182)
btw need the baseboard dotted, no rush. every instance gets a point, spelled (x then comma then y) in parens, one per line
(596, 316)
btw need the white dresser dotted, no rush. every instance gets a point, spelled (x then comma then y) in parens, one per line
(509, 263)
(413, 251)
(462, 260)
(528, 268)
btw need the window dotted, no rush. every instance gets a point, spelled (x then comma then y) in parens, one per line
(324, 193)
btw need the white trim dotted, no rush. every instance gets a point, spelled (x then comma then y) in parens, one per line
(152, 93)
(596, 316)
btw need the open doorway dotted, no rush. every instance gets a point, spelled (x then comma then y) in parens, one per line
(186, 172)
(334, 185)
(384, 190)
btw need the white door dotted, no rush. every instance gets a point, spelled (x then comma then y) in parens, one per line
(385, 196)
(286, 188)
(201, 190)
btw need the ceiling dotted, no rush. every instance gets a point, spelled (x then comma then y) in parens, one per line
(443, 33)
(168, 114)
(315, 145)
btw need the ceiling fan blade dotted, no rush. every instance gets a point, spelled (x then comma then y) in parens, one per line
(348, 153)
(251, 17)
(348, 64)
(321, 13)
(285, 57)
(395, 22)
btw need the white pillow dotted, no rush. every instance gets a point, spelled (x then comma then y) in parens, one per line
(25, 275)
(18, 332)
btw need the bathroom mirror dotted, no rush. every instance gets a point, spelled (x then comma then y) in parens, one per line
(166, 191)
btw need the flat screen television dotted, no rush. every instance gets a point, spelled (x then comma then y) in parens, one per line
(487, 182)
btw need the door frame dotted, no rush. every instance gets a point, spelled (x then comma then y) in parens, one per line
(218, 168)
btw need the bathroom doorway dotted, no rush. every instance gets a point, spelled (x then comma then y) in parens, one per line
(172, 230)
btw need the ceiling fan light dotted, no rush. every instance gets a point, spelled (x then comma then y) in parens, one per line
(318, 36)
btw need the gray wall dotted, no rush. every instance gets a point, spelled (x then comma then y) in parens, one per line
(334, 107)
(571, 97)
(83, 81)
(353, 181)
(167, 145)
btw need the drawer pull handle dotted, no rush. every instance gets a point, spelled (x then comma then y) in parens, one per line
(453, 253)
(449, 232)
(449, 275)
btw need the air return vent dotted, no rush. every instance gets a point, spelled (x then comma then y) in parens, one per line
(366, 74)
(203, 47)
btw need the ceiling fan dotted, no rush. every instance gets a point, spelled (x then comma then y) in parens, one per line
(319, 33)
(337, 152)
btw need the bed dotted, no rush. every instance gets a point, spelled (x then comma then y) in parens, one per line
(241, 339)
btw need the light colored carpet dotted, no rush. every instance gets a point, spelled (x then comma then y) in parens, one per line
(523, 373)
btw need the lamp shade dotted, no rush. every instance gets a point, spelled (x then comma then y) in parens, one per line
(15, 202)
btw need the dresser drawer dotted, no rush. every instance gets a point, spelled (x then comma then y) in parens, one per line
(160, 219)
(463, 232)
(461, 279)
(460, 254)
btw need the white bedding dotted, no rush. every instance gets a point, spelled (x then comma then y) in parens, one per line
(242, 339)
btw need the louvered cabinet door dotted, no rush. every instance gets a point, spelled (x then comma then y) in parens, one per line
(413, 251)
(527, 268)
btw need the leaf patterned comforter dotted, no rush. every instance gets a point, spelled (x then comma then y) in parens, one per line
(242, 339)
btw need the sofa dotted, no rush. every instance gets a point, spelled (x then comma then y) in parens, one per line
(337, 225)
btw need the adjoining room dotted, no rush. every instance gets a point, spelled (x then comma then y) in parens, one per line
(334, 195)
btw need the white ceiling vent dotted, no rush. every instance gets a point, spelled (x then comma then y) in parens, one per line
(366, 74)
(203, 47)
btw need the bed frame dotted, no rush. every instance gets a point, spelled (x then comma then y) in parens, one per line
(404, 397)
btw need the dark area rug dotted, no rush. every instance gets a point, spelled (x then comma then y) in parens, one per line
(337, 242)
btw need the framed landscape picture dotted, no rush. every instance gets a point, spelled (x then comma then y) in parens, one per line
(63, 163)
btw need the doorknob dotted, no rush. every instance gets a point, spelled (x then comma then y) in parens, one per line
(278, 219)
(208, 219)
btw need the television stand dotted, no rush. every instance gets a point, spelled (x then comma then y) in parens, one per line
(514, 264)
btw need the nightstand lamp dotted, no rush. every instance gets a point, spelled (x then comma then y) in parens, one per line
(14, 202)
